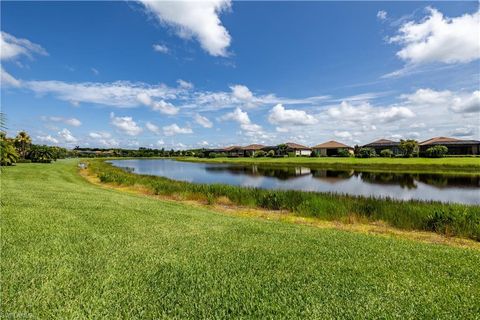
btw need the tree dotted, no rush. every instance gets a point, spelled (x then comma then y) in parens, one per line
(42, 154)
(271, 153)
(366, 153)
(23, 143)
(436, 152)
(344, 153)
(8, 154)
(386, 153)
(260, 154)
(409, 148)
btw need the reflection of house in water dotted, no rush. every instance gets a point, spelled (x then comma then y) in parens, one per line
(282, 173)
(404, 180)
(332, 176)
(448, 181)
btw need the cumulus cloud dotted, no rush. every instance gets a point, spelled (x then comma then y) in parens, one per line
(281, 116)
(47, 139)
(174, 129)
(74, 122)
(241, 92)
(440, 39)
(152, 127)
(160, 48)
(195, 19)
(461, 102)
(366, 112)
(13, 47)
(343, 134)
(125, 125)
(243, 119)
(463, 132)
(67, 136)
(203, 121)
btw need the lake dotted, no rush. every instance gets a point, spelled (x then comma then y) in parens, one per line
(403, 186)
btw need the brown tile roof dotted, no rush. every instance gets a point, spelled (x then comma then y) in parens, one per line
(232, 148)
(297, 146)
(382, 142)
(331, 145)
(254, 147)
(446, 141)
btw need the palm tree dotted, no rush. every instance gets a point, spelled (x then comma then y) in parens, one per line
(40, 154)
(23, 142)
(8, 154)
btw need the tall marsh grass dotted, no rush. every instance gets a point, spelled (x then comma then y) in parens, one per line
(444, 218)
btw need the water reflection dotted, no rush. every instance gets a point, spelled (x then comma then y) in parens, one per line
(438, 187)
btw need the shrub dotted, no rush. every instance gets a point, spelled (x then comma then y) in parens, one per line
(409, 148)
(366, 153)
(343, 153)
(436, 152)
(212, 155)
(271, 153)
(292, 154)
(260, 154)
(386, 153)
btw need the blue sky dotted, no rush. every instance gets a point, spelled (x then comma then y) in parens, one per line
(199, 74)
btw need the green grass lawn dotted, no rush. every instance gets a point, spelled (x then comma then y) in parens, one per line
(463, 164)
(70, 249)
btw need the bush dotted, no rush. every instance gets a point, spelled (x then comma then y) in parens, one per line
(436, 152)
(271, 153)
(343, 153)
(260, 154)
(386, 153)
(291, 154)
(212, 155)
(366, 153)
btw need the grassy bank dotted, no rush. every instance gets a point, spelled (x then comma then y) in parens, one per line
(70, 249)
(442, 165)
(451, 219)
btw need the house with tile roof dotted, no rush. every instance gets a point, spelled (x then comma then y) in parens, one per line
(455, 146)
(331, 148)
(383, 144)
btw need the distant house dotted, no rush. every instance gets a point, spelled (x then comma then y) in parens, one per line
(297, 149)
(251, 149)
(234, 151)
(383, 144)
(331, 148)
(455, 146)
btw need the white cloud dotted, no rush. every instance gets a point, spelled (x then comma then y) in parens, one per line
(281, 116)
(125, 125)
(74, 122)
(241, 92)
(164, 107)
(160, 142)
(99, 135)
(47, 139)
(440, 39)
(461, 102)
(185, 84)
(382, 15)
(67, 136)
(203, 121)
(343, 134)
(116, 94)
(13, 47)
(6, 79)
(366, 112)
(174, 129)
(195, 19)
(153, 128)
(203, 143)
(161, 48)
(243, 119)
(463, 132)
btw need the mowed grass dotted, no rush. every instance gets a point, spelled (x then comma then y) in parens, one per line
(456, 164)
(70, 249)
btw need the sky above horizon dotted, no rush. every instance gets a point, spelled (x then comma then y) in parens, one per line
(216, 73)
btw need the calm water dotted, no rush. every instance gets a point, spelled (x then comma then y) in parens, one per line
(446, 188)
